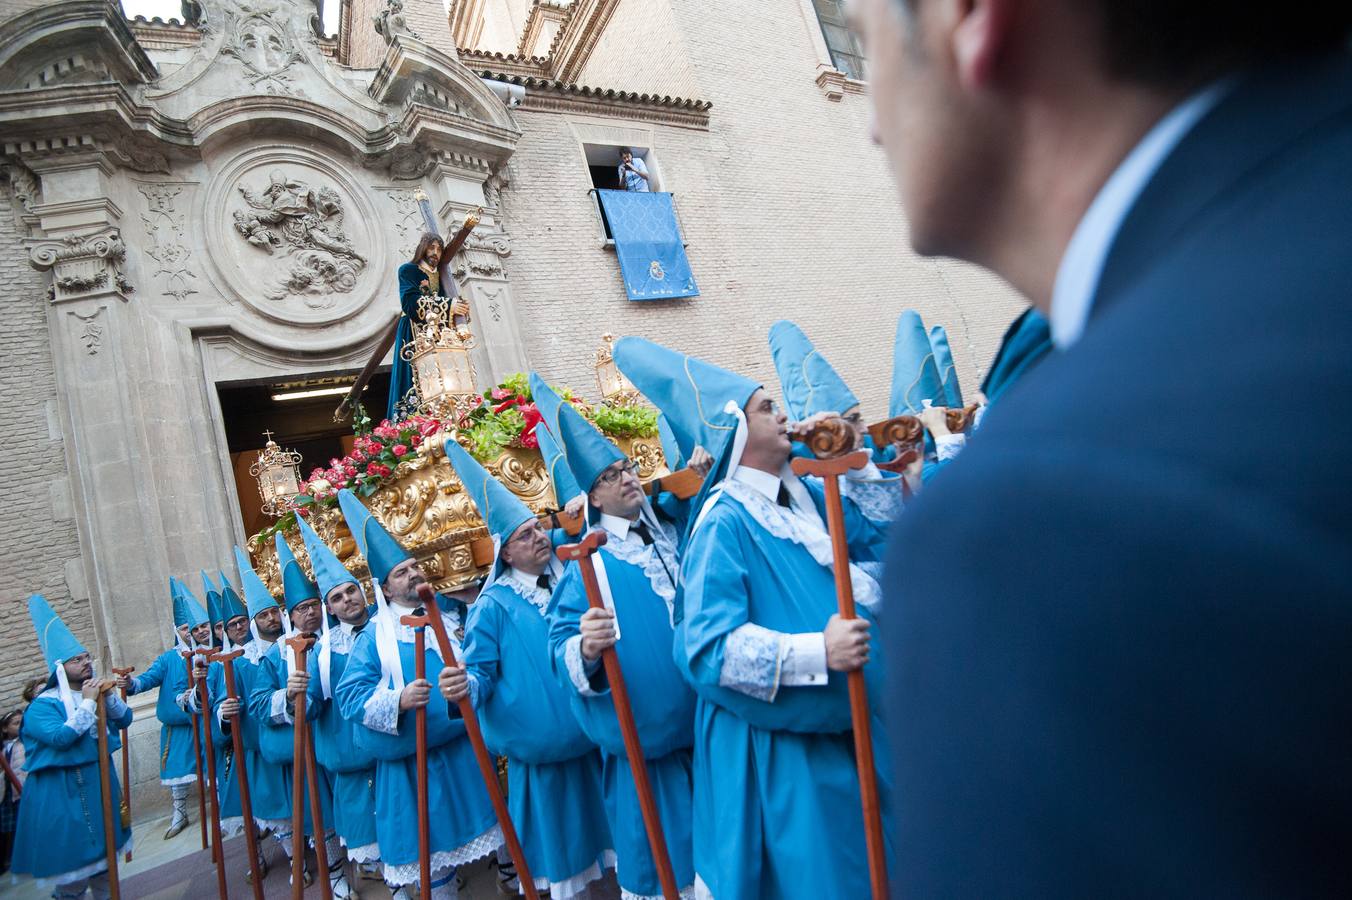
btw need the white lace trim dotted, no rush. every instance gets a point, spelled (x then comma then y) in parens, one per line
(687, 893)
(340, 639)
(481, 846)
(752, 655)
(787, 525)
(255, 650)
(577, 666)
(574, 886)
(232, 826)
(648, 557)
(382, 711)
(82, 719)
(366, 853)
(80, 874)
(702, 891)
(531, 592)
(878, 498)
(949, 446)
(182, 779)
(280, 828)
(277, 710)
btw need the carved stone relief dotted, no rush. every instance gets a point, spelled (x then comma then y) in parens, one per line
(24, 184)
(139, 156)
(291, 219)
(258, 35)
(165, 241)
(407, 220)
(482, 256)
(91, 334)
(82, 263)
(390, 21)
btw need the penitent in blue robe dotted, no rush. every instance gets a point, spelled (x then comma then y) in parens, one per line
(277, 733)
(553, 769)
(465, 827)
(269, 791)
(60, 827)
(169, 673)
(411, 278)
(777, 808)
(227, 783)
(663, 707)
(351, 767)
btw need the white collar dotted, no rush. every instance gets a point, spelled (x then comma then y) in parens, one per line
(527, 578)
(760, 481)
(616, 526)
(347, 629)
(1077, 278)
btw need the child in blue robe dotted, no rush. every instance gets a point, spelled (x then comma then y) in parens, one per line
(553, 768)
(60, 838)
(169, 673)
(379, 689)
(637, 568)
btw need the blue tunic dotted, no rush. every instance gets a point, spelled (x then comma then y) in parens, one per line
(269, 791)
(553, 769)
(663, 707)
(276, 735)
(169, 673)
(777, 808)
(352, 768)
(60, 827)
(227, 786)
(461, 831)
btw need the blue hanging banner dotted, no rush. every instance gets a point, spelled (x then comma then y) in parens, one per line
(648, 244)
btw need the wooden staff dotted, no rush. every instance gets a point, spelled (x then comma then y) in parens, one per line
(241, 778)
(312, 776)
(300, 644)
(830, 470)
(204, 704)
(683, 483)
(106, 787)
(197, 757)
(487, 768)
(126, 763)
(419, 625)
(652, 823)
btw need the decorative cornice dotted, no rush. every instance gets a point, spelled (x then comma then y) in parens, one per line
(836, 84)
(541, 11)
(553, 95)
(513, 64)
(578, 36)
(95, 24)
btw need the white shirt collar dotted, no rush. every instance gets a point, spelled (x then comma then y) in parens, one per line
(1077, 278)
(758, 480)
(524, 577)
(616, 526)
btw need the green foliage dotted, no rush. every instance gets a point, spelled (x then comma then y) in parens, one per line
(626, 421)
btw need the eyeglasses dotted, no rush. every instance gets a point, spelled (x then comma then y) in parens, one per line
(613, 474)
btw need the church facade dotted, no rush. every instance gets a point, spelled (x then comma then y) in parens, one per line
(222, 200)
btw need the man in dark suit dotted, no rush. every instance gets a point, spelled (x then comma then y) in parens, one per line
(1120, 626)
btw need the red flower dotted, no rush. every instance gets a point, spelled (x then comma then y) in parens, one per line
(500, 393)
(417, 440)
(351, 471)
(399, 450)
(429, 427)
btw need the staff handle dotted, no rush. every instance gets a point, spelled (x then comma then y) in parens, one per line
(197, 758)
(419, 626)
(106, 789)
(241, 777)
(126, 763)
(203, 703)
(830, 470)
(428, 598)
(312, 776)
(633, 749)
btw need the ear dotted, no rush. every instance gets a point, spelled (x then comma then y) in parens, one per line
(981, 32)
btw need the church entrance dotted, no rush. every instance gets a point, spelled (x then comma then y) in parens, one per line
(298, 412)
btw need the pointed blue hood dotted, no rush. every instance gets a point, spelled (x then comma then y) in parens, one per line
(213, 599)
(915, 375)
(502, 512)
(56, 640)
(186, 606)
(556, 464)
(328, 568)
(231, 605)
(256, 593)
(381, 550)
(948, 372)
(810, 384)
(296, 585)
(589, 452)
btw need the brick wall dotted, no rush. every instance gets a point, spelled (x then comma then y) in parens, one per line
(36, 528)
(642, 49)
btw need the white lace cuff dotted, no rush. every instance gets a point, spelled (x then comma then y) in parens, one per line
(578, 668)
(84, 717)
(752, 655)
(277, 710)
(879, 498)
(382, 711)
(475, 690)
(804, 661)
(947, 448)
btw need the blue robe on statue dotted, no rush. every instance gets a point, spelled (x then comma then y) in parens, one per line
(663, 707)
(269, 789)
(60, 828)
(553, 768)
(169, 673)
(465, 827)
(352, 769)
(276, 735)
(777, 803)
(411, 278)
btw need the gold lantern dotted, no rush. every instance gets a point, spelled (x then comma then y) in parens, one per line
(439, 357)
(278, 474)
(616, 390)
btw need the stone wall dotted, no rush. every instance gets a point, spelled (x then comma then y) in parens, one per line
(644, 50)
(37, 528)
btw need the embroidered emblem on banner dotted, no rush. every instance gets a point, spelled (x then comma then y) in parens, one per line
(655, 270)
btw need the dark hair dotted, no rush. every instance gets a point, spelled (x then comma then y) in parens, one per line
(1168, 43)
(10, 716)
(424, 242)
(35, 686)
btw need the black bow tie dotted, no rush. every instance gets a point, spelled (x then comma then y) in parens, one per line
(784, 499)
(356, 629)
(542, 581)
(640, 528)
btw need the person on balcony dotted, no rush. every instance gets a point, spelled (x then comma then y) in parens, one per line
(633, 173)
